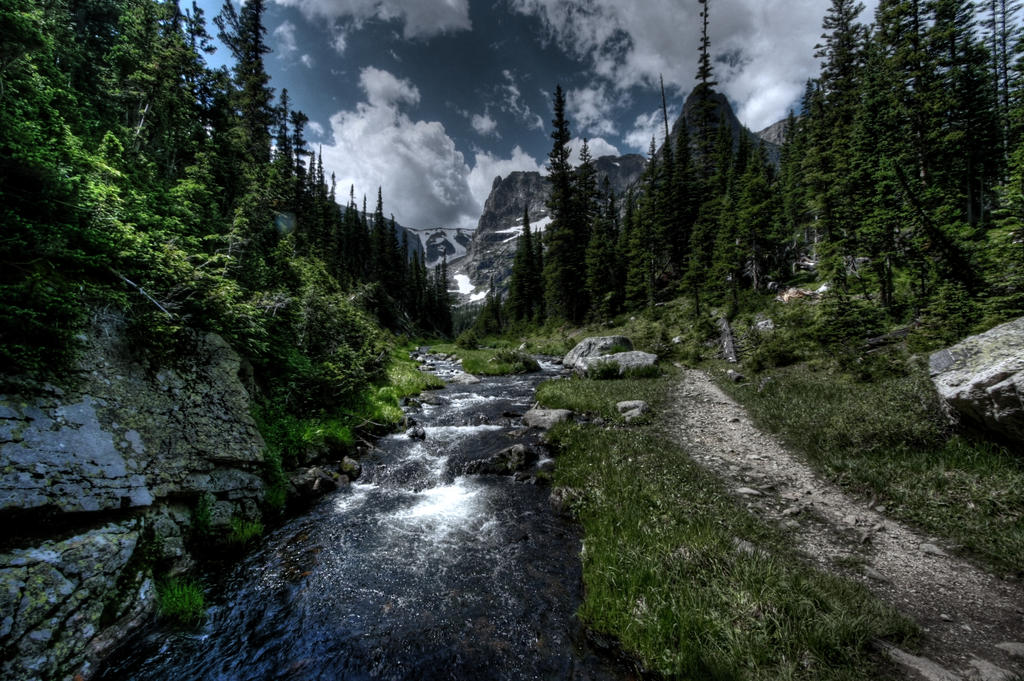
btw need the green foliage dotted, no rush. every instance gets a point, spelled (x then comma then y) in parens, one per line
(519, 362)
(201, 515)
(276, 490)
(244, 532)
(181, 600)
(604, 370)
(404, 375)
(468, 340)
(889, 439)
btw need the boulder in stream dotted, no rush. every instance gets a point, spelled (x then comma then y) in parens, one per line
(351, 468)
(312, 483)
(507, 461)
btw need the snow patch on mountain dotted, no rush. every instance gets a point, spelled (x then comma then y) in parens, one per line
(466, 288)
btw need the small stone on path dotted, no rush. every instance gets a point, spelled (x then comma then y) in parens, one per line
(875, 574)
(932, 550)
(749, 492)
(986, 671)
(1014, 648)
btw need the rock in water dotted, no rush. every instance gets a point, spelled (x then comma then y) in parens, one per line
(981, 379)
(505, 462)
(351, 468)
(597, 346)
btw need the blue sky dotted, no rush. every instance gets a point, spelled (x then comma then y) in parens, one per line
(431, 99)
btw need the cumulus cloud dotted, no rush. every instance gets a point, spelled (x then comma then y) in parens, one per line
(425, 180)
(598, 147)
(420, 18)
(384, 89)
(422, 175)
(591, 109)
(307, 61)
(339, 39)
(648, 126)
(315, 128)
(769, 45)
(285, 36)
(484, 124)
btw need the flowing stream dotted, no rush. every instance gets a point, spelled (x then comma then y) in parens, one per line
(416, 571)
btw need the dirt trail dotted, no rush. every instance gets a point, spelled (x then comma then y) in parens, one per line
(972, 622)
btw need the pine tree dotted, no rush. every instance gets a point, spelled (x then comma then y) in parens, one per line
(564, 267)
(604, 276)
(519, 304)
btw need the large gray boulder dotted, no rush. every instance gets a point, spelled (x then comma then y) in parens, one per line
(592, 347)
(625, 361)
(981, 379)
(545, 419)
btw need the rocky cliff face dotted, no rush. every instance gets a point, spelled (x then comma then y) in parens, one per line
(493, 247)
(440, 243)
(101, 478)
(722, 112)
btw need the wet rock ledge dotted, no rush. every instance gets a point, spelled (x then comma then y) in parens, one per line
(100, 481)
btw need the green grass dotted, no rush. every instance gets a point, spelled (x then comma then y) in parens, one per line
(583, 395)
(376, 408)
(181, 600)
(406, 378)
(501, 361)
(888, 439)
(244, 532)
(663, 572)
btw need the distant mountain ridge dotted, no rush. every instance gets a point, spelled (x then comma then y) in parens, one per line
(491, 249)
(493, 246)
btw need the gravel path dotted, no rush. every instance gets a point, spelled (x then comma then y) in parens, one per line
(972, 622)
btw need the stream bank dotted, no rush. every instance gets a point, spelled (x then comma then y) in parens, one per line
(416, 571)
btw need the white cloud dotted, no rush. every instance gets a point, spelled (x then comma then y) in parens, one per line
(315, 128)
(307, 61)
(422, 175)
(511, 101)
(598, 147)
(590, 109)
(285, 36)
(486, 167)
(420, 18)
(484, 125)
(384, 89)
(339, 41)
(648, 126)
(425, 180)
(632, 43)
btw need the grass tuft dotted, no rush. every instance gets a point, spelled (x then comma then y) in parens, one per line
(244, 532)
(181, 600)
